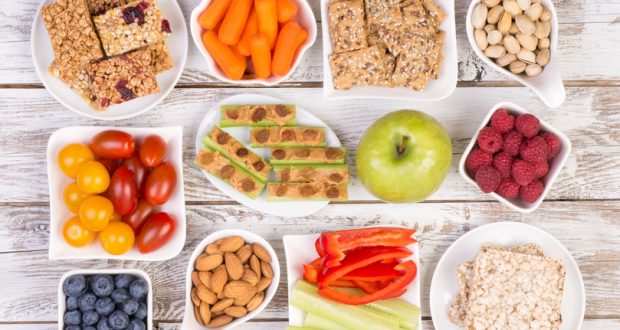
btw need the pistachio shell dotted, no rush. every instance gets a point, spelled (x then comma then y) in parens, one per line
(544, 43)
(504, 22)
(489, 27)
(525, 25)
(495, 51)
(517, 67)
(494, 14)
(534, 12)
(532, 70)
(511, 44)
(481, 39)
(512, 7)
(506, 59)
(524, 4)
(491, 3)
(479, 15)
(545, 16)
(542, 29)
(527, 42)
(494, 37)
(543, 56)
(526, 56)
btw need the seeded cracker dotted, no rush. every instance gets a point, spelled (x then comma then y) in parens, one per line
(364, 67)
(346, 25)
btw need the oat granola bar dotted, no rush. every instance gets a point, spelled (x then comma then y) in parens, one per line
(364, 67)
(346, 25)
(287, 136)
(311, 156)
(131, 26)
(122, 78)
(280, 191)
(257, 115)
(333, 174)
(160, 57)
(218, 165)
(98, 7)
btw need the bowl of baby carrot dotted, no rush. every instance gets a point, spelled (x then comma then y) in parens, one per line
(253, 41)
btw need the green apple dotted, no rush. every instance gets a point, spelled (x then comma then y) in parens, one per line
(404, 156)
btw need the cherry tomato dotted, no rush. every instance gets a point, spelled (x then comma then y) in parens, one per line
(160, 184)
(93, 178)
(76, 234)
(71, 157)
(95, 212)
(123, 191)
(117, 238)
(74, 197)
(157, 230)
(137, 218)
(110, 165)
(140, 172)
(153, 150)
(115, 217)
(112, 144)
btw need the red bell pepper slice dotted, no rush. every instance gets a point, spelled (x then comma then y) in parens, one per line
(395, 286)
(313, 269)
(318, 247)
(379, 271)
(371, 287)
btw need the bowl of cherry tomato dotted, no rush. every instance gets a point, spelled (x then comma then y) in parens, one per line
(116, 193)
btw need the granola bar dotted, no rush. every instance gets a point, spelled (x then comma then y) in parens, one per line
(98, 7)
(134, 25)
(119, 79)
(160, 57)
(346, 25)
(364, 67)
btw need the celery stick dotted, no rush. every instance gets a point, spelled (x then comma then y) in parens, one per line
(292, 327)
(407, 314)
(315, 321)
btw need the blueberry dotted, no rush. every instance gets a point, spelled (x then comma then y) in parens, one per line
(90, 318)
(118, 320)
(87, 302)
(141, 313)
(136, 324)
(123, 280)
(103, 324)
(73, 327)
(72, 303)
(73, 317)
(74, 286)
(90, 327)
(102, 285)
(120, 295)
(129, 306)
(105, 306)
(138, 288)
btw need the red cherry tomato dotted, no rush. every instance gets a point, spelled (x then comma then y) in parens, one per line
(157, 230)
(123, 191)
(112, 144)
(110, 165)
(153, 150)
(137, 218)
(160, 184)
(140, 172)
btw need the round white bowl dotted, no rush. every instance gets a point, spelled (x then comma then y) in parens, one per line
(189, 320)
(305, 18)
(548, 85)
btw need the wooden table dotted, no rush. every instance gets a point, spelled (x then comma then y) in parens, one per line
(581, 210)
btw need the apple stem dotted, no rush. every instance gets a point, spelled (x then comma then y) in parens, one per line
(401, 148)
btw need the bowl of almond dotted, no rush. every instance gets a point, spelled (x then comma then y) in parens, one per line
(231, 277)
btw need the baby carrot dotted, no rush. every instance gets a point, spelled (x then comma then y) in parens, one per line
(261, 55)
(251, 27)
(225, 58)
(267, 19)
(214, 14)
(234, 21)
(287, 9)
(290, 38)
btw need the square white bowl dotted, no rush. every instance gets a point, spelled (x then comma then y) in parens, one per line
(62, 298)
(57, 181)
(305, 18)
(435, 90)
(555, 165)
(189, 319)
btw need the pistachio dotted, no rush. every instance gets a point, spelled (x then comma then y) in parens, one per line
(525, 25)
(517, 67)
(504, 22)
(512, 7)
(495, 51)
(494, 37)
(532, 70)
(524, 4)
(479, 15)
(488, 28)
(544, 43)
(526, 56)
(506, 59)
(511, 44)
(494, 14)
(545, 16)
(481, 39)
(527, 42)
(543, 56)
(491, 3)
(534, 11)
(542, 29)
(513, 28)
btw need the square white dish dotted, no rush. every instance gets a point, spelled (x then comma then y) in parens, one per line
(57, 181)
(299, 250)
(435, 90)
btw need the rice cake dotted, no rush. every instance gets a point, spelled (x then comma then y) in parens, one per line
(346, 25)
(364, 67)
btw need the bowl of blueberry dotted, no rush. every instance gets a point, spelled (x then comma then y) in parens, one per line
(105, 300)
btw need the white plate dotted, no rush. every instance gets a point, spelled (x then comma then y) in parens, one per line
(443, 285)
(435, 90)
(304, 118)
(42, 55)
(189, 319)
(59, 249)
(299, 250)
(62, 298)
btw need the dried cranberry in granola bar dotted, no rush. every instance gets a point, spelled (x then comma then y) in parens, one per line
(346, 25)
(363, 67)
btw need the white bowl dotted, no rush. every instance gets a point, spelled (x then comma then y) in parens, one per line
(58, 248)
(444, 287)
(434, 91)
(305, 18)
(189, 320)
(548, 85)
(42, 55)
(555, 165)
(62, 298)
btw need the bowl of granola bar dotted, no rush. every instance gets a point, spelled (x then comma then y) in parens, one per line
(109, 59)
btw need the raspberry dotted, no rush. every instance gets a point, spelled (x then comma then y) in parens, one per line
(490, 140)
(488, 179)
(476, 159)
(528, 125)
(512, 142)
(522, 172)
(502, 163)
(553, 143)
(508, 189)
(531, 192)
(502, 121)
(534, 150)
(540, 169)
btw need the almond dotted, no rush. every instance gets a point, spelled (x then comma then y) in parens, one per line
(205, 278)
(219, 279)
(206, 295)
(265, 268)
(231, 244)
(236, 289)
(244, 300)
(197, 314)
(263, 283)
(250, 277)
(244, 253)
(236, 311)
(255, 302)
(221, 295)
(261, 252)
(255, 265)
(205, 312)
(213, 249)
(195, 298)
(195, 278)
(222, 305)
(234, 267)
(206, 263)
(220, 321)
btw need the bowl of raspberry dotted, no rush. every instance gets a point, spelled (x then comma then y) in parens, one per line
(515, 157)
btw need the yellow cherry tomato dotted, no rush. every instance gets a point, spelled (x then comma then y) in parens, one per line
(76, 234)
(95, 212)
(115, 217)
(74, 197)
(72, 156)
(93, 177)
(117, 238)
